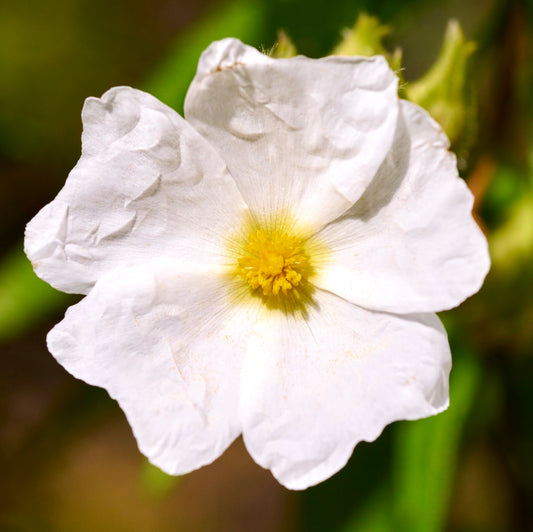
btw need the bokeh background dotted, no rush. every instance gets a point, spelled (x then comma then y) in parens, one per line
(68, 460)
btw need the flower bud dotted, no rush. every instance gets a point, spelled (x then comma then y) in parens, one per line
(444, 91)
(284, 47)
(365, 38)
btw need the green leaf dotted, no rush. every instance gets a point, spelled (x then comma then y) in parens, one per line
(426, 456)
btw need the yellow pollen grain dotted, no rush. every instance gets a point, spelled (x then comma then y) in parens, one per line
(273, 263)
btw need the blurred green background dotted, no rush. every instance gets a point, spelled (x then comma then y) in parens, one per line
(68, 460)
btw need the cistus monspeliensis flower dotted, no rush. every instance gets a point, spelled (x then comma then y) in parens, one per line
(268, 266)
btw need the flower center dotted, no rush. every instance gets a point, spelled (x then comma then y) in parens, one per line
(273, 263)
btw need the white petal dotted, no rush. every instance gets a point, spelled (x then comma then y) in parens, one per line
(313, 388)
(168, 346)
(146, 185)
(410, 243)
(300, 136)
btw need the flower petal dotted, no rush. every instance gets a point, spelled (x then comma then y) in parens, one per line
(313, 388)
(168, 346)
(146, 185)
(300, 136)
(410, 243)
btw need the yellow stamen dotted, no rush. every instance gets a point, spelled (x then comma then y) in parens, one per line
(273, 263)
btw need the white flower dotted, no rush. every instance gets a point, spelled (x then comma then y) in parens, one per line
(270, 267)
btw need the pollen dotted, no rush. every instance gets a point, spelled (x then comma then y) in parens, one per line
(273, 264)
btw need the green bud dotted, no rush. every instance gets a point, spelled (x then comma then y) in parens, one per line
(444, 91)
(365, 38)
(284, 47)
